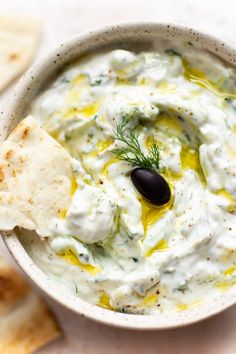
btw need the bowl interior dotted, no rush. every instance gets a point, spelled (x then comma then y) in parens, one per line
(135, 37)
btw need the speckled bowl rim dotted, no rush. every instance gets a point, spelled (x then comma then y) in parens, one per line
(14, 107)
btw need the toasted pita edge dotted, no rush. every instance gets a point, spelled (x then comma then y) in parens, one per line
(32, 200)
(29, 324)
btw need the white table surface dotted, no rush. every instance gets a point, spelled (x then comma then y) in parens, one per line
(62, 19)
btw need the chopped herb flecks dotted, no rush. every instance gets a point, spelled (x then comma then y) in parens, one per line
(172, 52)
(182, 288)
(96, 82)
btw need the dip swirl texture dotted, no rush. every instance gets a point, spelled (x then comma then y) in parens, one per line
(111, 247)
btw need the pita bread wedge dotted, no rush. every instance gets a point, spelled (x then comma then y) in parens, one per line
(35, 178)
(12, 289)
(19, 40)
(26, 323)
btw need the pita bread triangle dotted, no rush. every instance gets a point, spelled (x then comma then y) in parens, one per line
(35, 178)
(19, 40)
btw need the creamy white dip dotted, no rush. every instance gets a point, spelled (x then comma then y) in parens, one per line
(111, 247)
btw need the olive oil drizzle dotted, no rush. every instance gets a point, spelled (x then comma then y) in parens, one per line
(70, 256)
(199, 77)
(190, 160)
(161, 246)
(152, 213)
(104, 302)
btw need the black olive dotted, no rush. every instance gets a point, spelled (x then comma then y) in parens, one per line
(151, 185)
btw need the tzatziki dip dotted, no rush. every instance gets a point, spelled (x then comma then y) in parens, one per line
(172, 112)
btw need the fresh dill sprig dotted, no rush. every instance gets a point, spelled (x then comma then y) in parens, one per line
(131, 151)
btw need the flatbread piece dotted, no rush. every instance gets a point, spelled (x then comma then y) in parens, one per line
(26, 323)
(19, 40)
(35, 178)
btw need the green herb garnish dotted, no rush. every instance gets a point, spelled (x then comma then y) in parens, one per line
(96, 82)
(64, 80)
(68, 136)
(172, 52)
(76, 288)
(182, 288)
(131, 151)
(228, 99)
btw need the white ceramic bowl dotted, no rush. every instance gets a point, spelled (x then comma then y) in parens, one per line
(15, 108)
